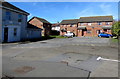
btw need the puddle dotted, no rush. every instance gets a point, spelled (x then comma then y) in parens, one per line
(24, 69)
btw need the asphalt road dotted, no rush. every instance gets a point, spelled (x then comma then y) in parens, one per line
(68, 57)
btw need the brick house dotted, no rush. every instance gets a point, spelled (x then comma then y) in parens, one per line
(42, 24)
(55, 30)
(68, 25)
(90, 26)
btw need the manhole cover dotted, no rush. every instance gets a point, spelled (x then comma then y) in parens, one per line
(23, 69)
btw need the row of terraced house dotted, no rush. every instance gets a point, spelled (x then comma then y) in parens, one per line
(15, 27)
(87, 26)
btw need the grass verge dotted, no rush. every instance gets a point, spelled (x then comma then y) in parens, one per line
(57, 36)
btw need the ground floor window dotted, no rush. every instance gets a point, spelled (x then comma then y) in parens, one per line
(89, 31)
(98, 31)
(109, 31)
(15, 31)
(105, 30)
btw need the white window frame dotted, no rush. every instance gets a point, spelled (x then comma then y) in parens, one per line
(89, 24)
(99, 23)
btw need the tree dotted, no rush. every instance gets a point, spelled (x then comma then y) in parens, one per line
(116, 28)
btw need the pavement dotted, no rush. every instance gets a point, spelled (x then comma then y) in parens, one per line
(61, 57)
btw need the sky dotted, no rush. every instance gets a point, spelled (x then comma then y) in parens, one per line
(57, 11)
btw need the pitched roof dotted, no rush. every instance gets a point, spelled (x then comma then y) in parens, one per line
(69, 21)
(55, 24)
(96, 19)
(8, 5)
(42, 20)
(32, 26)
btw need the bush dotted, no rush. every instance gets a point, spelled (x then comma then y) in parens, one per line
(116, 29)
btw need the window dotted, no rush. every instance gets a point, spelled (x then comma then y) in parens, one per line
(107, 23)
(81, 23)
(72, 25)
(105, 30)
(15, 31)
(64, 25)
(19, 18)
(98, 31)
(8, 15)
(88, 31)
(99, 23)
(89, 24)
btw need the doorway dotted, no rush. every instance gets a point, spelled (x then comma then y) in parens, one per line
(82, 32)
(6, 34)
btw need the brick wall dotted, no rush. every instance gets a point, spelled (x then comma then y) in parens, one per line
(68, 27)
(46, 27)
(93, 29)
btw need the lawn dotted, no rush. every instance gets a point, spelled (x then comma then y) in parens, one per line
(57, 36)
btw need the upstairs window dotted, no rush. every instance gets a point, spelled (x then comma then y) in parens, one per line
(99, 23)
(65, 25)
(8, 15)
(89, 24)
(19, 18)
(81, 23)
(107, 23)
(72, 25)
(89, 31)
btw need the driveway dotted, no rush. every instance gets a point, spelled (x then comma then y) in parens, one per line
(68, 57)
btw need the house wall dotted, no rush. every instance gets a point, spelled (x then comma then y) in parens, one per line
(33, 33)
(68, 27)
(23, 27)
(11, 37)
(47, 29)
(94, 27)
(13, 23)
(0, 23)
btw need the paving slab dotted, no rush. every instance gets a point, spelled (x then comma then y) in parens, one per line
(90, 65)
(107, 69)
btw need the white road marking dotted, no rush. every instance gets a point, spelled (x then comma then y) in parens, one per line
(100, 58)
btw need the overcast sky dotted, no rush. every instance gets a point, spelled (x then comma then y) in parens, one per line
(57, 11)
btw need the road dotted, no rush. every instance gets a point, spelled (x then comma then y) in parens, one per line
(61, 57)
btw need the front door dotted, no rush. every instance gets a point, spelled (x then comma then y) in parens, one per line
(5, 34)
(82, 32)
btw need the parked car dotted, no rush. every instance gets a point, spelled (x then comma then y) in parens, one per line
(69, 34)
(105, 35)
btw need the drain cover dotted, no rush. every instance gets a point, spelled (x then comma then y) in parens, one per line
(23, 69)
